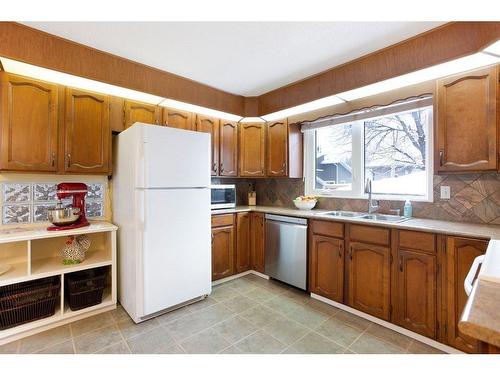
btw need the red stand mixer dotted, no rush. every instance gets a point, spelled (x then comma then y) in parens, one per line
(73, 216)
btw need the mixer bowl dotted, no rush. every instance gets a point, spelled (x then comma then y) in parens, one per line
(62, 216)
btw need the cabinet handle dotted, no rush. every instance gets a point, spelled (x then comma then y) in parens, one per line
(221, 168)
(400, 264)
(214, 167)
(53, 159)
(441, 157)
(350, 252)
(341, 249)
(212, 238)
(69, 160)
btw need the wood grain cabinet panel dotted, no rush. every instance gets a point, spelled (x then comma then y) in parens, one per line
(87, 132)
(222, 252)
(415, 306)
(257, 241)
(467, 128)
(277, 149)
(210, 125)
(141, 112)
(326, 267)
(228, 148)
(242, 261)
(252, 149)
(29, 122)
(369, 279)
(175, 118)
(461, 252)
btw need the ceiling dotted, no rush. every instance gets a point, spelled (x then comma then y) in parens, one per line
(244, 58)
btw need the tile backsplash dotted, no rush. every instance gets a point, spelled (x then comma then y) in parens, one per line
(475, 198)
(28, 202)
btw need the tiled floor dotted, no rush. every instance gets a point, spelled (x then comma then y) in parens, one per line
(245, 315)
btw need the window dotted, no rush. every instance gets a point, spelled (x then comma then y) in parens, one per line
(390, 147)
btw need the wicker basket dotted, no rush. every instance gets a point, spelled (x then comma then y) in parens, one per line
(85, 288)
(29, 301)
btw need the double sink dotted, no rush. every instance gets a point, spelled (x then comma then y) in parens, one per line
(366, 216)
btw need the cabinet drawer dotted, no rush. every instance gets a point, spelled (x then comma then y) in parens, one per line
(417, 241)
(328, 228)
(368, 234)
(221, 220)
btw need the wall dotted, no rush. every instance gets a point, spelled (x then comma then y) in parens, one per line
(475, 198)
(27, 199)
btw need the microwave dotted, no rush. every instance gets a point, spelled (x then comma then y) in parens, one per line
(222, 196)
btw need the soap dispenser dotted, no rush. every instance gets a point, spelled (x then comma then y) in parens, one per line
(407, 210)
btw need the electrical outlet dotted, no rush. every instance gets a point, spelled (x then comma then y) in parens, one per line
(445, 192)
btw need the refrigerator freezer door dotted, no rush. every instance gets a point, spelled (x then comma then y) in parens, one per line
(174, 158)
(176, 247)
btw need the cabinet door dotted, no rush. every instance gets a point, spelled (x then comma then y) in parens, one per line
(277, 148)
(252, 149)
(326, 267)
(178, 119)
(228, 148)
(87, 132)
(222, 252)
(210, 125)
(415, 301)
(461, 252)
(257, 241)
(29, 122)
(141, 112)
(467, 121)
(242, 242)
(369, 279)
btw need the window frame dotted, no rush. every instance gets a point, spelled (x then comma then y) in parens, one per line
(358, 165)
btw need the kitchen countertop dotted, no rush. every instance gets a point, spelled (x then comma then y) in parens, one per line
(481, 316)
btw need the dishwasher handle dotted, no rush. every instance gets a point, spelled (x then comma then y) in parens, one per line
(469, 279)
(286, 219)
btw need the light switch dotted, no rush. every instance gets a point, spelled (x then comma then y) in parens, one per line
(445, 192)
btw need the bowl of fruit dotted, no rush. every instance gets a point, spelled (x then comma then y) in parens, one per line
(305, 202)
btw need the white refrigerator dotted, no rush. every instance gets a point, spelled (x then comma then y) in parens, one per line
(161, 203)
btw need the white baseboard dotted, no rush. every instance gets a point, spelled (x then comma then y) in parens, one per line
(253, 272)
(238, 275)
(413, 335)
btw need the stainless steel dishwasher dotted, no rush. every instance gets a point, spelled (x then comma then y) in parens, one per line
(286, 249)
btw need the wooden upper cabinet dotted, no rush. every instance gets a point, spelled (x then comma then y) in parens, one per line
(87, 133)
(252, 149)
(326, 267)
(277, 148)
(415, 301)
(228, 148)
(257, 241)
(141, 112)
(461, 252)
(29, 122)
(222, 252)
(467, 126)
(175, 118)
(242, 262)
(369, 277)
(210, 125)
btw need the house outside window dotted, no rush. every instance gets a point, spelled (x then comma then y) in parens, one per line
(391, 146)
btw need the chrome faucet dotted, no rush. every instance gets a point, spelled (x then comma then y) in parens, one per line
(372, 207)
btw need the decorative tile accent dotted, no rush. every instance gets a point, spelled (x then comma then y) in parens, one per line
(16, 193)
(40, 212)
(19, 213)
(44, 192)
(94, 209)
(95, 191)
(29, 202)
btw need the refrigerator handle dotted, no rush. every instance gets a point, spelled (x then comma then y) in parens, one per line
(141, 207)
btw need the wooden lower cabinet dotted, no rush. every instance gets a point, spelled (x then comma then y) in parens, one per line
(369, 270)
(415, 304)
(326, 267)
(242, 260)
(257, 241)
(222, 252)
(460, 253)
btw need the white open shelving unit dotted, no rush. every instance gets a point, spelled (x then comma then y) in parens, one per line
(34, 253)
